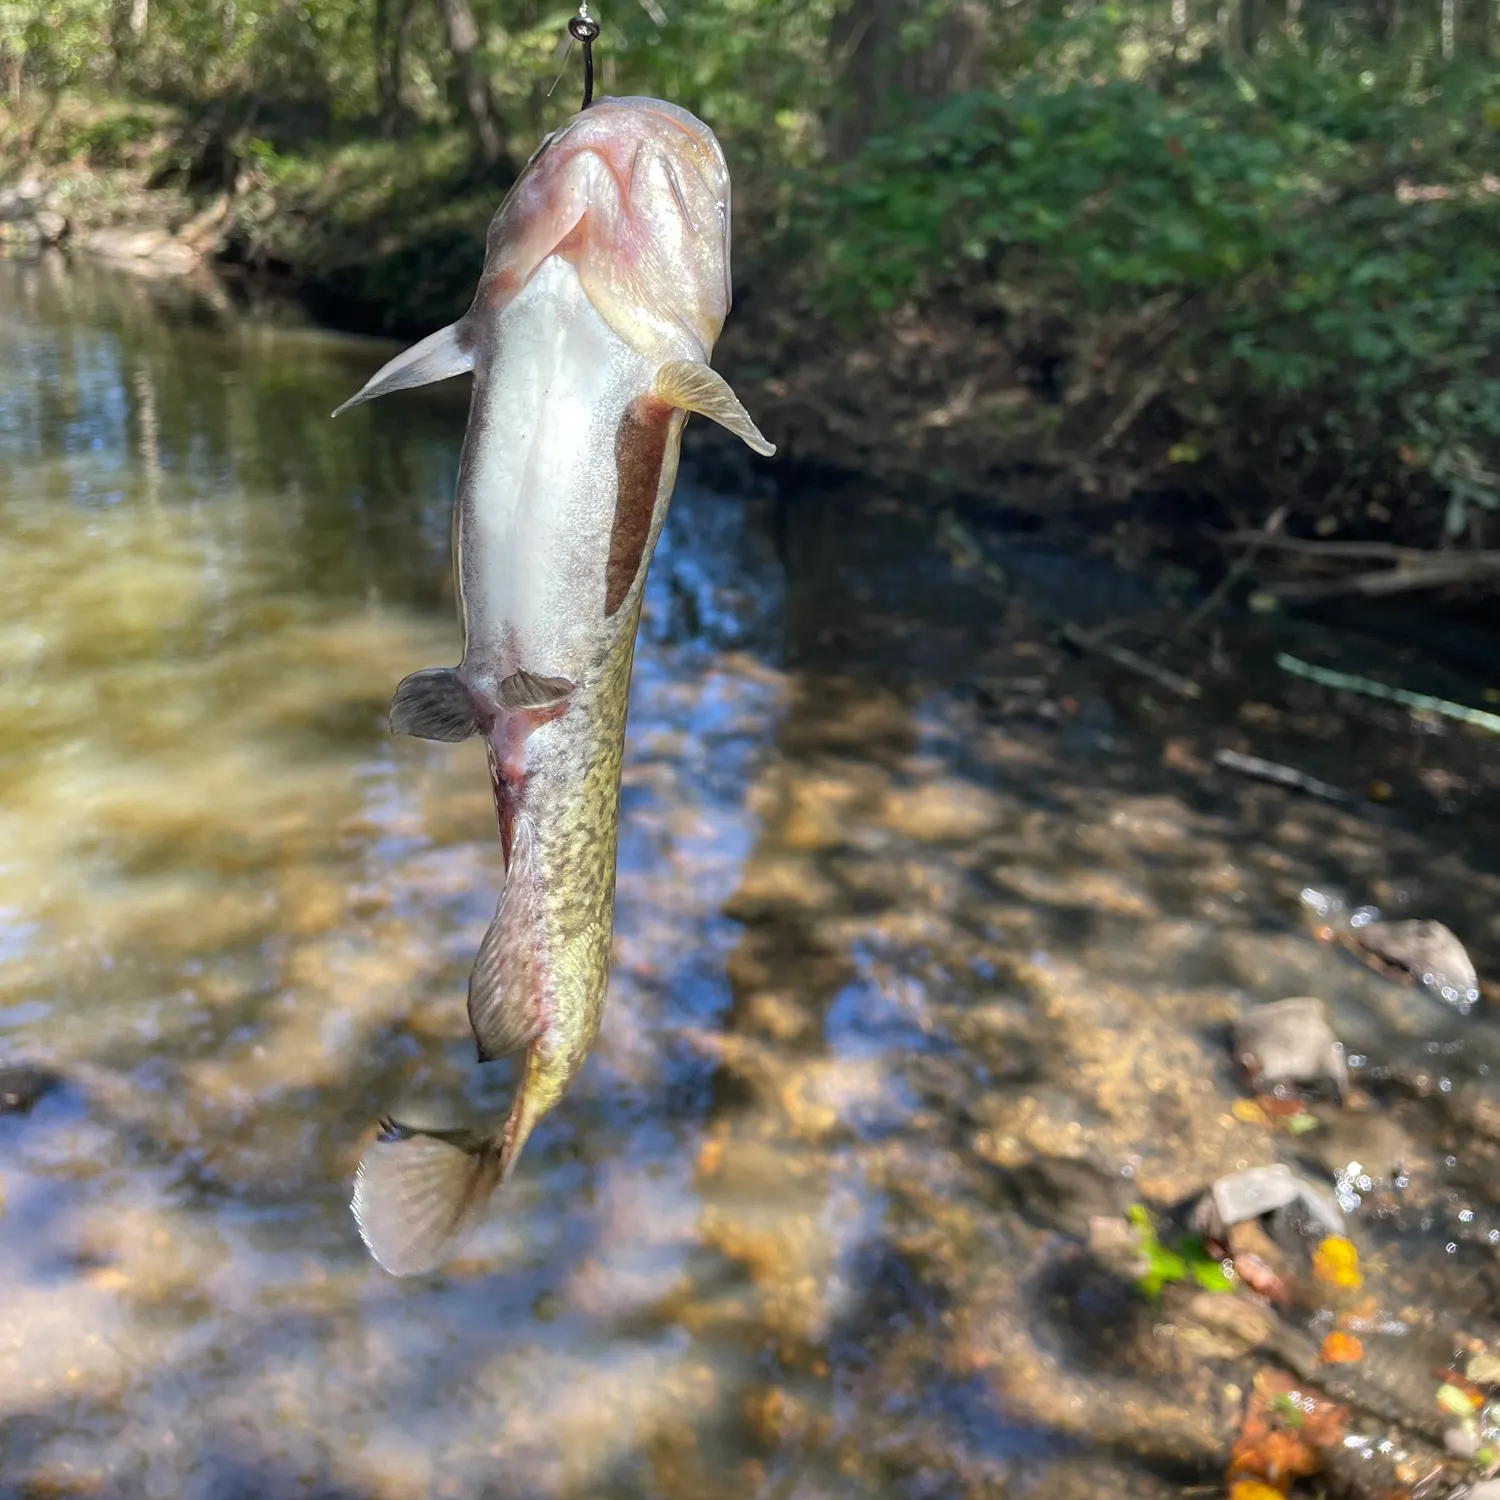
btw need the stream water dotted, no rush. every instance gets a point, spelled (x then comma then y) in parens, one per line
(928, 941)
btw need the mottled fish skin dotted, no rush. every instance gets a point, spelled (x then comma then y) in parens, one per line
(605, 287)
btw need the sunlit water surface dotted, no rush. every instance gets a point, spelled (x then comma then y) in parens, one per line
(884, 958)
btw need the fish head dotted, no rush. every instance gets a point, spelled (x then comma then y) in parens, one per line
(634, 192)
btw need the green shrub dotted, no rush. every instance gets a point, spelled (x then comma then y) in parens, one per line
(1357, 323)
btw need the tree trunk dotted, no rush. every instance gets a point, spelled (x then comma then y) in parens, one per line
(860, 39)
(479, 102)
(1249, 26)
(390, 59)
(874, 68)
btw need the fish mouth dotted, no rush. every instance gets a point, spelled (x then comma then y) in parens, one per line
(635, 194)
(670, 128)
(650, 189)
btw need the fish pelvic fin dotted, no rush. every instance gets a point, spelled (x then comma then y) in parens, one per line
(419, 1194)
(693, 386)
(524, 690)
(433, 704)
(506, 997)
(439, 356)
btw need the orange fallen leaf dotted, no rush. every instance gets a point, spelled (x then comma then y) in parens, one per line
(1248, 1112)
(1277, 1458)
(1253, 1489)
(1336, 1262)
(1274, 1105)
(1341, 1349)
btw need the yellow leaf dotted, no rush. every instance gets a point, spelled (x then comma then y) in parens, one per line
(1336, 1261)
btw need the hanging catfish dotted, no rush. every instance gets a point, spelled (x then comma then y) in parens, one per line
(605, 287)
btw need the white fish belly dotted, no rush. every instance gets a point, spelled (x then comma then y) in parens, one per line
(538, 486)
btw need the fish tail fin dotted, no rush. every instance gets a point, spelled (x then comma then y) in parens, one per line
(691, 385)
(505, 986)
(439, 356)
(419, 1194)
(433, 704)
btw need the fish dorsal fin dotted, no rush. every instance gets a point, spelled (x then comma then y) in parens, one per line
(439, 356)
(692, 386)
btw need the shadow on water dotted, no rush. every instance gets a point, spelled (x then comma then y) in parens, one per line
(929, 935)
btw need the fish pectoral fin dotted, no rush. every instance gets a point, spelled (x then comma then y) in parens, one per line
(525, 690)
(505, 986)
(433, 704)
(439, 356)
(693, 386)
(419, 1193)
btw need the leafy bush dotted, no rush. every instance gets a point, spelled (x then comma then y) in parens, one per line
(1327, 254)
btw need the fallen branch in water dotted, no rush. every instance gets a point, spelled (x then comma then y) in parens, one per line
(1376, 551)
(1347, 682)
(1414, 568)
(1267, 537)
(1122, 656)
(1270, 770)
(1392, 580)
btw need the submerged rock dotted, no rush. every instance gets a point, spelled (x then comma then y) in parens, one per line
(1423, 950)
(22, 1087)
(1290, 1041)
(1426, 950)
(1258, 1191)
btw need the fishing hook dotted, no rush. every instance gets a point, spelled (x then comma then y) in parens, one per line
(584, 29)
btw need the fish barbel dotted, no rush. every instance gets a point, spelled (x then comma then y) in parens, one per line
(605, 286)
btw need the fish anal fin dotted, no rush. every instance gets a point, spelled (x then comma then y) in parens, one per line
(692, 386)
(433, 704)
(524, 1113)
(418, 1194)
(439, 356)
(506, 985)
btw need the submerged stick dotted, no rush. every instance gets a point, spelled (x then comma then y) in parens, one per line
(1122, 656)
(1270, 770)
(1347, 682)
(1395, 580)
(1267, 536)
